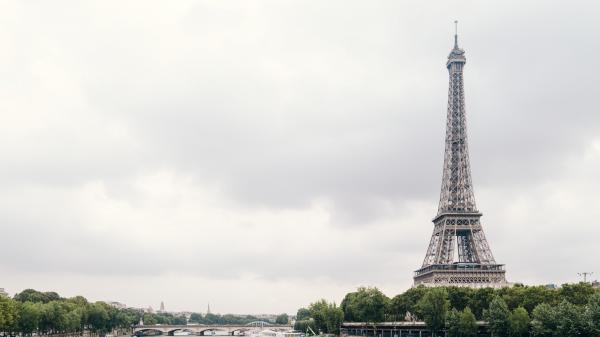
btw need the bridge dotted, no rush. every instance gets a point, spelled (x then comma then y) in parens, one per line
(204, 330)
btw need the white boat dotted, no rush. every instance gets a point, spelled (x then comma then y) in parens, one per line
(271, 333)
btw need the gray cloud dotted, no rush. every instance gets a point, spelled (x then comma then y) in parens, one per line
(289, 141)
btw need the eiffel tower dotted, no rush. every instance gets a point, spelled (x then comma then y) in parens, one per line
(458, 253)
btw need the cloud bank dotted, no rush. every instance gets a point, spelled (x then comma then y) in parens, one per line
(263, 154)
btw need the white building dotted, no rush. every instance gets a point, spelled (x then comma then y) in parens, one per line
(117, 305)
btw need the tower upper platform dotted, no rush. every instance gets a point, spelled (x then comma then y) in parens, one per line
(456, 55)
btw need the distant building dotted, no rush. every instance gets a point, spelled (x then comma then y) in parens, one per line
(551, 286)
(117, 305)
(3, 293)
(185, 314)
(162, 307)
(596, 284)
(266, 317)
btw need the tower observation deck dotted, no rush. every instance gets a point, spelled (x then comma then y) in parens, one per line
(458, 253)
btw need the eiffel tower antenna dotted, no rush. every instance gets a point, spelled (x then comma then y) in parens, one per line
(455, 33)
(458, 253)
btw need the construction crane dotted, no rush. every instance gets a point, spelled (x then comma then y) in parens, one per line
(585, 274)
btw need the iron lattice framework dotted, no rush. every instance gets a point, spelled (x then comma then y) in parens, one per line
(458, 253)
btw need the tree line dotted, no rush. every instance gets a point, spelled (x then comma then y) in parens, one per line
(212, 319)
(42, 313)
(32, 312)
(571, 310)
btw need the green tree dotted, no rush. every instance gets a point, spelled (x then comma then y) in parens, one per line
(211, 318)
(55, 314)
(532, 296)
(98, 318)
(335, 317)
(519, 322)
(72, 321)
(29, 317)
(181, 320)
(149, 319)
(318, 314)
(125, 319)
(406, 302)
(282, 319)
(577, 294)
(348, 306)
(9, 314)
(303, 314)
(303, 325)
(80, 301)
(31, 295)
(196, 318)
(592, 314)
(512, 296)
(544, 323)
(368, 305)
(571, 320)
(327, 316)
(528, 297)
(498, 317)
(452, 322)
(434, 306)
(480, 300)
(467, 324)
(459, 297)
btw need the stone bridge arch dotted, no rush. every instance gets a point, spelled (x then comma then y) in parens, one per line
(153, 331)
(240, 329)
(171, 332)
(204, 330)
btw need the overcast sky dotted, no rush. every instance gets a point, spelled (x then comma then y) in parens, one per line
(260, 155)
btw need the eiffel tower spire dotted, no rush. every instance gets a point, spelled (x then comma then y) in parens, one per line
(458, 252)
(455, 34)
(457, 190)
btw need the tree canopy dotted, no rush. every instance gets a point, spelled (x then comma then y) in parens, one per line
(365, 305)
(282, 319)
(511, 311)
(320, 316)
(33, 312)
(37, 312)
(434, 307)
